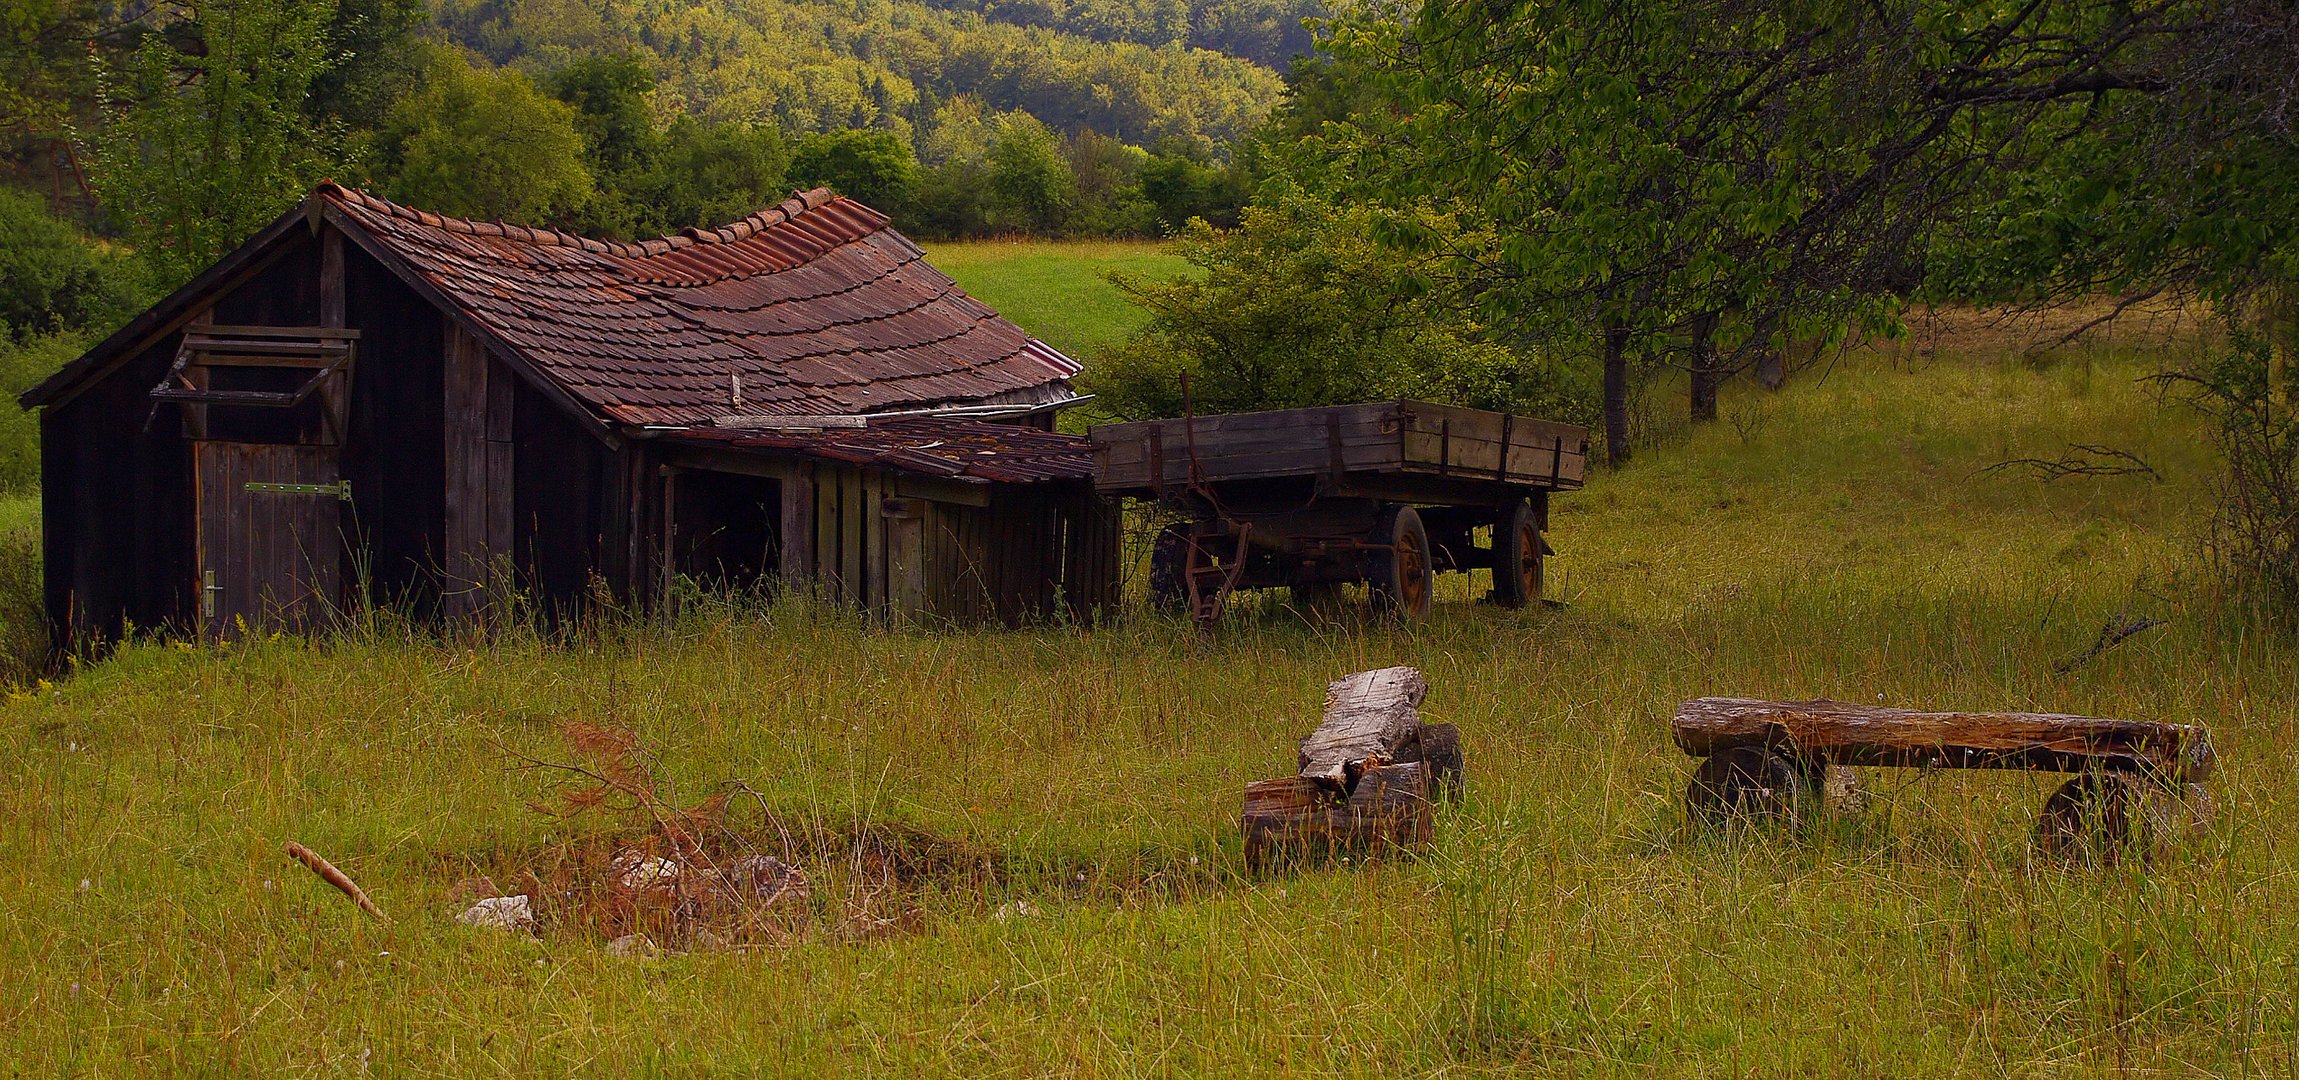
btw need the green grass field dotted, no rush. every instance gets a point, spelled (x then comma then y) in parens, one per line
(1055, 290)
(1836, 539)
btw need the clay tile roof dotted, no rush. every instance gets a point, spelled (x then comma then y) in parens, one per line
(815, 304)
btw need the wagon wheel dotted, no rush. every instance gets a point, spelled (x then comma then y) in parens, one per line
(1169, 568)
(1750, 782)
(2106, 814)
(1441, 752)
(1517, 556)
(1402, 576)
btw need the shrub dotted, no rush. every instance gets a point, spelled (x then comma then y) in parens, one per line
(51, 277)
(2253, 540)
(1297, 307)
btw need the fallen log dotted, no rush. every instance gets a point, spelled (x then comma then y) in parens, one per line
(1847, 734)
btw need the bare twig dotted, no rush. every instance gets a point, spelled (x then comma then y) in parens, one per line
(329, 874)
(2083, 460)
(2119, 628)
(2121, 305)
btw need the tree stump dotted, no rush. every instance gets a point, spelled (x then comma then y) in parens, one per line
(1366, 779)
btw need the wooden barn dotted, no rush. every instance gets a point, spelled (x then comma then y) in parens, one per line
(367, 403)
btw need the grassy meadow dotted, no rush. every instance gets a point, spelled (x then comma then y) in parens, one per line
(1060, 804)
(1056, 289)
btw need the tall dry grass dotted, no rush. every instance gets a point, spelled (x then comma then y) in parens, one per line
(1567, 921)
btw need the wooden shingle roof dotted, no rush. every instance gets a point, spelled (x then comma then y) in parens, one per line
(813, 306)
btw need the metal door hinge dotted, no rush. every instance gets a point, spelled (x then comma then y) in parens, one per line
(341, 489)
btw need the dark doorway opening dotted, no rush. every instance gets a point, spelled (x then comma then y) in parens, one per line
(728, 534)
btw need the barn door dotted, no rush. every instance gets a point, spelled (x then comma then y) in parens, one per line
(270, 535)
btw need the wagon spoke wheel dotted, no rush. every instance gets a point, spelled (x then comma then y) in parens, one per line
(1750, 783)
(1402, 575)
(1517, 556)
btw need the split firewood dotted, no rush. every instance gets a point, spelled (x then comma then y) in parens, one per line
(329, 874)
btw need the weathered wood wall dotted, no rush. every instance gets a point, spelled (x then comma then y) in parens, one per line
(903, 546)
(394, 450)
(477, 406)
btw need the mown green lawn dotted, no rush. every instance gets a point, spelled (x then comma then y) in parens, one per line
(1836, 539)
(1056, 291)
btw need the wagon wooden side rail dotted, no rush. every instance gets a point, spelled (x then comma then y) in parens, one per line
(1768, 757)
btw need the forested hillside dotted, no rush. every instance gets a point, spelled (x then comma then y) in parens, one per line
(1125, 68)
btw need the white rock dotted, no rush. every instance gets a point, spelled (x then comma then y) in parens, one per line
(631, 945)
(501, 913)
(637, 872)
(1014, 909)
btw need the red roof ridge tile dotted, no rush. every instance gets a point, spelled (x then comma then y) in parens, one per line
(787, 211)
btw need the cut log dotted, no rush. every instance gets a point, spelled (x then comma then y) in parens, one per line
(1848, 734)
(1441, 750)
(1293, 815)
(1371, 718)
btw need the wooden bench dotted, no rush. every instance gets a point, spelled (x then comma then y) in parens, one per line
(1770, 758)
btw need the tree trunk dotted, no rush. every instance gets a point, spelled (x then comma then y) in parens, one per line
(1616, 393)
(1705, 372)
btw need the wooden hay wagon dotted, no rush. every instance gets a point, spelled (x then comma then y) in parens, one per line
(2135, 780)
(1388, 493)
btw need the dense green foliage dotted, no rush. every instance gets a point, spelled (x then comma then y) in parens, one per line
(51, 277)
(57, 286)
(207, 118)
(483, 142)
(806, 66)
(1298, 306)
(211, 140)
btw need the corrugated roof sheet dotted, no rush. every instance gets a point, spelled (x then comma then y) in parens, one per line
(930, 445)
(813, 306)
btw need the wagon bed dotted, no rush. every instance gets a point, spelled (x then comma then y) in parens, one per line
(1375, 445)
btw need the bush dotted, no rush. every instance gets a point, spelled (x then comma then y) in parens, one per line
(484, 142)
(876, 167)
(1299, 307)
(23, 366)
(2254, 535)
(24, 646)
(51, 277)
